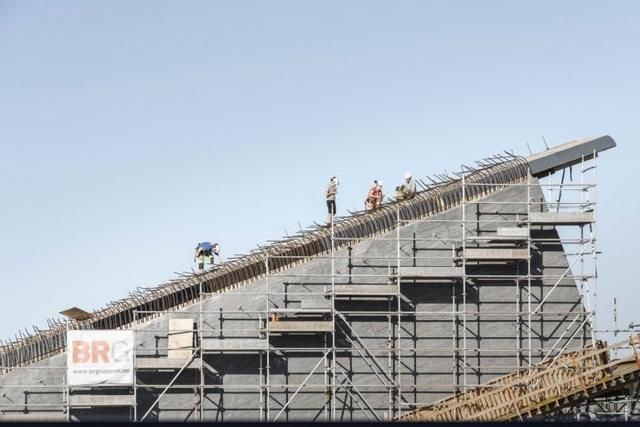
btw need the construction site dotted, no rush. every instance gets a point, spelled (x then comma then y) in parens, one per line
(475, 300)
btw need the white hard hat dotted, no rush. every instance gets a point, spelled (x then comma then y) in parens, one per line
(407, 175)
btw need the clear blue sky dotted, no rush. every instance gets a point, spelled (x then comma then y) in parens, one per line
(131, 130)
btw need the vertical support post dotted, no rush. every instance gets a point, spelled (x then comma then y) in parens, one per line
(135, 367)
(454, 340)
(325, 377)
(464, 286)
(200, 341)
(326, 364)
(529, 318)
(66, 383)
(584, 283)
(594, 252)
(518, 326)
(390, 358)
(399, 312)
(414, 250)
(65, 397)
(615, 326)
(333, 322)
(260, 376)
(268, 334)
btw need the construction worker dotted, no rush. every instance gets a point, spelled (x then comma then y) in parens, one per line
(330, 193)
(407, 190)
(204, 254)
(374, 197)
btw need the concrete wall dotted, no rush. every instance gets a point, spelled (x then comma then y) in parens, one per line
(486, 316)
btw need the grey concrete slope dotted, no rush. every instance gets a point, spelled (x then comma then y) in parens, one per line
(449, 333)
(281, 255)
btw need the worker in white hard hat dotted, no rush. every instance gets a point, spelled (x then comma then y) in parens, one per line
(375, 196)
(408, 189)
(330, 194)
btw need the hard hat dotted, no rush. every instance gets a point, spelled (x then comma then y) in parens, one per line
(407, 175)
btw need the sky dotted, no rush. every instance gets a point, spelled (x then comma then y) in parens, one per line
(129, 131)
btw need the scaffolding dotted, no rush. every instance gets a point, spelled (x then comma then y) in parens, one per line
(483, 240)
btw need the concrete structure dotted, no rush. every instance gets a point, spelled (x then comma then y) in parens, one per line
(367, 319)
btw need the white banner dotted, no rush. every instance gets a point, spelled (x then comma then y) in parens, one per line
(99, 357)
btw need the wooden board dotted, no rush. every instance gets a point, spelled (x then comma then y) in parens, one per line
(180, 338)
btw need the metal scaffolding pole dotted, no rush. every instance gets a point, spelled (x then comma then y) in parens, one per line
(529, 296)
(200, 336)
(267, 399)
(398, 347)
(333, 323)
(464, 286)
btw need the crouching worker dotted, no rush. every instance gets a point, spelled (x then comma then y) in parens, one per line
(204, 255)
(407, 190)
(374, 197)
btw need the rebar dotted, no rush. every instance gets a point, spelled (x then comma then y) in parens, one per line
(177, 293)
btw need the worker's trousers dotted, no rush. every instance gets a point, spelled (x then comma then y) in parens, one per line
(204, 262)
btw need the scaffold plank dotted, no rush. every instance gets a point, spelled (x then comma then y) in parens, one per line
(365, 290)
(495, 254)
(431, 272)
(234, 344)
(102, 400)
(33, 417)
(143, 363)
(513, 232)
(299, 326)
(301, 310)
(316, 304)
(561, 218)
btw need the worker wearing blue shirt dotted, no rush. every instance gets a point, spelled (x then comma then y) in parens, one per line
(204, 254)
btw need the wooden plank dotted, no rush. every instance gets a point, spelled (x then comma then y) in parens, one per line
(431, 272)
(513, 232)
(102, 400)
(76, 313)
(234, 344)
(180, 338)
(495, 254)
(316, 304)
(33, 417)
(300, 326)
(561, 218)
(366, 290)
(152, 363)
